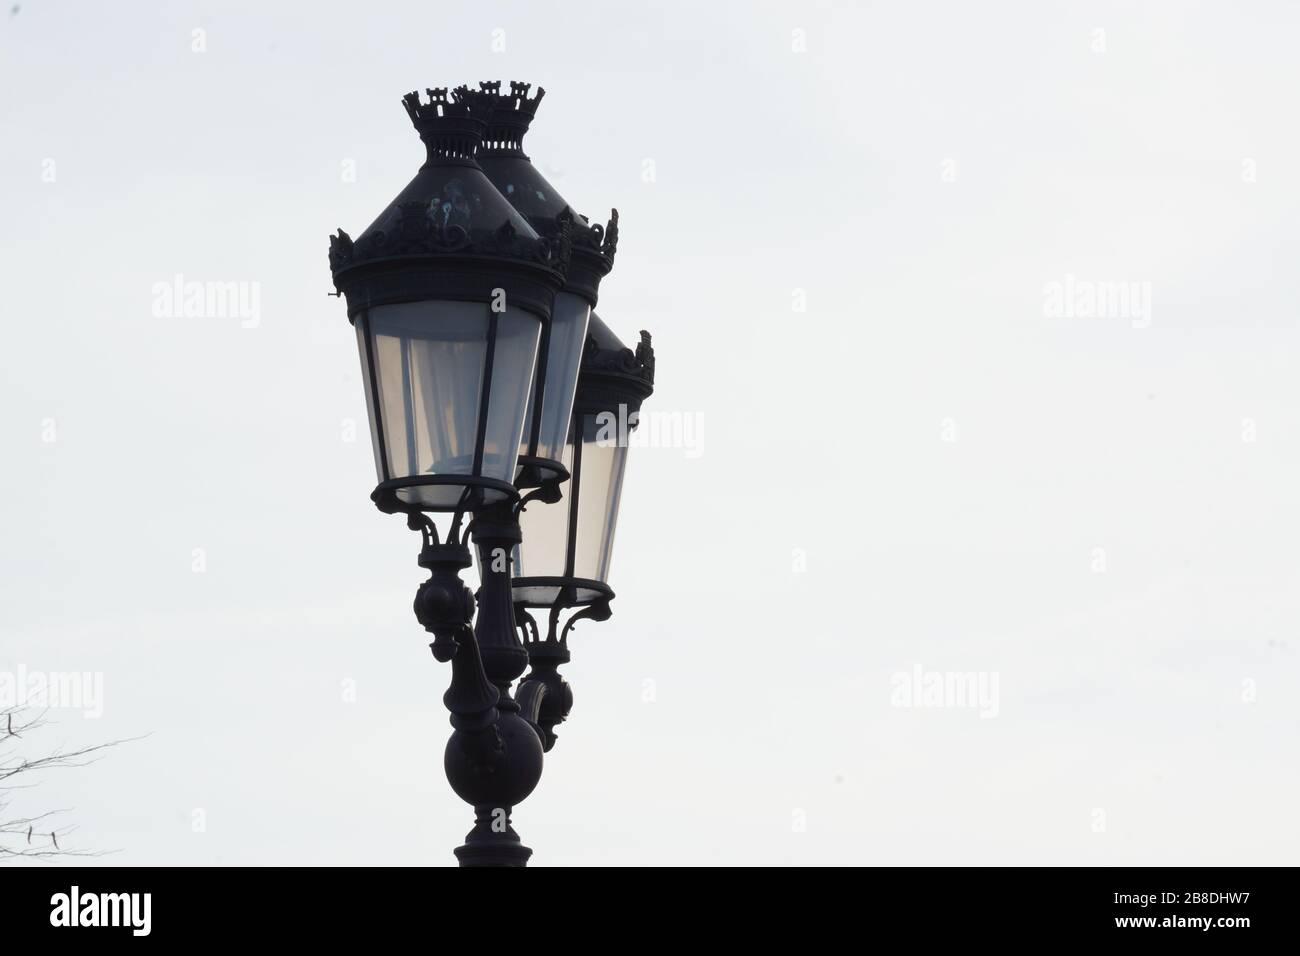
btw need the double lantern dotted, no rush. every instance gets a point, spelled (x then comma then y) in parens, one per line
(494, 394)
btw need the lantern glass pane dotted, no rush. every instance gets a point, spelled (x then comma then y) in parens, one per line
(568, 334)
(545, 531)
(513, 365)
(604, 460)
(429, 360)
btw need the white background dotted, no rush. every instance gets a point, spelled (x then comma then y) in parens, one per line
(920, 171)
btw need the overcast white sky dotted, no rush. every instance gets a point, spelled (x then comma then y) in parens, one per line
(845, 253)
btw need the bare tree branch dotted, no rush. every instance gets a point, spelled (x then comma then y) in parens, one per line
(37, 837)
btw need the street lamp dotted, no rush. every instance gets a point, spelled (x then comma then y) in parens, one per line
(564, 560)
(470, 324)
(449, 290)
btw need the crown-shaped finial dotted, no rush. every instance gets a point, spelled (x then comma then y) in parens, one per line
(511, 113)
(451, 124)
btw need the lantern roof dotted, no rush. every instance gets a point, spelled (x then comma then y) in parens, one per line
(523, 185)
(452, 217)
(613, 374)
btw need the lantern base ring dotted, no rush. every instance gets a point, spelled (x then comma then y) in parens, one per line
(441, 493)
(535, 472)
(570, 592)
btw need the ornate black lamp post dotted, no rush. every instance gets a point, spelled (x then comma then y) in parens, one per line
(470, 324)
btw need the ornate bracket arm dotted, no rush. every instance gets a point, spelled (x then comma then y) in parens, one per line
(600, 611)
(545, 698)
(548, 493)
(531, 695)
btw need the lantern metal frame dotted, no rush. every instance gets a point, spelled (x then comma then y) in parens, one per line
(415, 252)
(613, 380)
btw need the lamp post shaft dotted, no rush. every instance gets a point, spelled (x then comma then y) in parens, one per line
(494, 757)
(495, 534)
